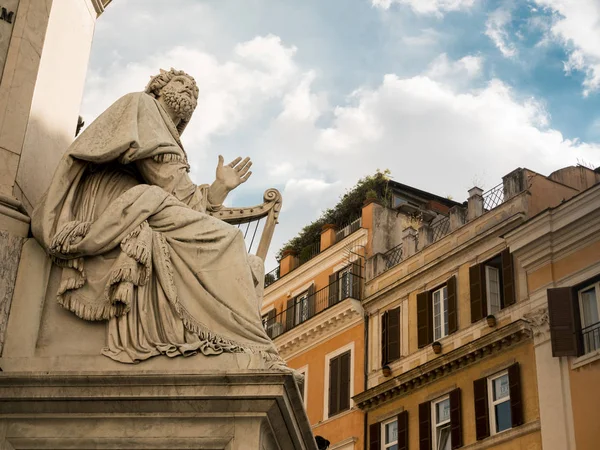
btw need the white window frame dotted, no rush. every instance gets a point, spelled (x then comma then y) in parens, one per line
(488, 290)
(386, 445)
(328, 357)
(492, 403)
(443, 313)
(345, 276)
(304, 371)
(299, 301)
(584, 324)
(435, 425)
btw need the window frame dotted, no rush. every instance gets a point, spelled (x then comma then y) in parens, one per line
(434, 425)
(344, 276)
(492, 403)
(328, 358)
(444, 326)
(298, 302)
(488, 290)
(386, 445)
(583, 322)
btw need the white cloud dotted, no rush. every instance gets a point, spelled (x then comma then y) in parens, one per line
(577, 25)
(457, 73)
(495, 29)
(436, 7)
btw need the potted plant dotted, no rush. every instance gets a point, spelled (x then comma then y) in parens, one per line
(491, 320)
(437, 347)
(387, 371)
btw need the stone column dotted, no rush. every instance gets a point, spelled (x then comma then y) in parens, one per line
(514, 183)
(457, 217)
(556, 413)
(475, 203)
(425, 235)
(409, 242)
(288, 262)
(327, 236)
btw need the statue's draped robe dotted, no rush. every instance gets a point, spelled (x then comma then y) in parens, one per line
(138, 249)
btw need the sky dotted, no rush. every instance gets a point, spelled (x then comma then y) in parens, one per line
(446, 94)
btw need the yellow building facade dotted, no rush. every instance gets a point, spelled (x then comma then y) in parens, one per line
(459, 351)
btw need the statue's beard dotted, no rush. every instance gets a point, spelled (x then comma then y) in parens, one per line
(181, 104)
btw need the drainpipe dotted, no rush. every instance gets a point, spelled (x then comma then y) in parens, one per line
(366, 373)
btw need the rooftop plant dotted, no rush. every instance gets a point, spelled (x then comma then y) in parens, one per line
(347, 209)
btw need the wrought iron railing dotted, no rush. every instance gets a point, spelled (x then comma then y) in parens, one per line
(347, 230)
(308, 253)
(272, 276)
(393, 256)
(305, 307)
(440, 228)
(591, 337)
(494, 197)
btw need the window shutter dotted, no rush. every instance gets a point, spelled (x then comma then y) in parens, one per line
(565, 322)
(478, 295)
(516, 403)
(452, 300)
(334, 378)
(374, 436)
(333, 289)
(311, 301)
(344, 393)
(424, 319)
(403, 430)
(393, 335)
(455, 419)
(270, 322)
(508, 279)
(289, 314)
(384, 339)
(482, 421)
(425, 426)
(356, 270)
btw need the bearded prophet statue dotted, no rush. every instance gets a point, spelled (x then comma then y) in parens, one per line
(134, 239)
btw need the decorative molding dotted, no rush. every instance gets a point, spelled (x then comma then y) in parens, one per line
(506, 436)
(538, 319)
(319, 328)
(492, 343)
(586, 359)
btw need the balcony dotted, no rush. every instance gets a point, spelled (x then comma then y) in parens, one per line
(591, 338)
(306, 307)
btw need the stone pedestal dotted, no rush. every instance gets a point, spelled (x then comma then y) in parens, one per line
(240, 410)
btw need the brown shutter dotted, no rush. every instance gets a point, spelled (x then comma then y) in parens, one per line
(356, 280)
(311, 301)
(516, 403)
(482, 421)
(425, 426)
(384, 339)
(508, 279)
(478, 295)
(289, 314)
(424, 319)
(393, 334)
(344, 381)
(334, 389)
(374, 436)
(565, 322)
(403, 430)
(455, 419)
(271, 322)
(333, 289)
(452, 311)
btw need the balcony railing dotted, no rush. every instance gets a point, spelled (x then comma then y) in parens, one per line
(440, 229)
(591, 337)
(347, 230)
(393, 256)
(494, 197)
(309, 252)
(304, 308)
(272, 276)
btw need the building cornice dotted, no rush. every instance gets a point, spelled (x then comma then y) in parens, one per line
(319, 328)
(492, 343)
(309, 270)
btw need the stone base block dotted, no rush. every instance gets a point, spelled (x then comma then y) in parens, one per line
(150, 410)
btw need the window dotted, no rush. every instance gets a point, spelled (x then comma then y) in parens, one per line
(301, 308)
(339, 366)
(589, 298)
(498, 405)
(441, 424)
(491, 286)
(574, 314)
(436, 313)
(390, 336)
(304, 384)
(389, 431)
(499, 401)
(271, 325)
(345, 284)
(440, 313)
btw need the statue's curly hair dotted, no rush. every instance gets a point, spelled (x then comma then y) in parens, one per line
(157, 82)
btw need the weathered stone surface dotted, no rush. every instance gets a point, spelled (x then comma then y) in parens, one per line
(10, 252)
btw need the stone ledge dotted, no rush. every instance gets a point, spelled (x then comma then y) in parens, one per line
(586, 359)
(505, 436)
(444, 364)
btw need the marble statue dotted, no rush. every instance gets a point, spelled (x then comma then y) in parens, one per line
(135, 240)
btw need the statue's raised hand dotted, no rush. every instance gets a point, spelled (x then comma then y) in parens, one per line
(234, 173)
